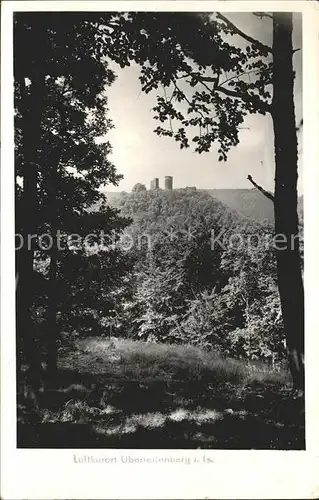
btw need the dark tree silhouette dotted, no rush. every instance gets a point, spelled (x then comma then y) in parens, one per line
(60, 105)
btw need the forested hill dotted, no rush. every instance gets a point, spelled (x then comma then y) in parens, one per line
(200, 274)
(178, 209)
(247, 202)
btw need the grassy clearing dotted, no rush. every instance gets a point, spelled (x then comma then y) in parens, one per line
(145, 361)
(130, 394)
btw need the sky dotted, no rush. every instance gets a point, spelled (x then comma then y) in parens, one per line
(140, 155)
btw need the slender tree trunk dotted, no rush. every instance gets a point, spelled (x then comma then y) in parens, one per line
(31, 131)
(52, 354)
(248, 328)
(24, 269)
(52, 350)
(286, 218)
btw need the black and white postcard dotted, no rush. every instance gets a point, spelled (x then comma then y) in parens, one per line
(159, 270)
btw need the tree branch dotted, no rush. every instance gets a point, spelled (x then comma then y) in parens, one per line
(261, 189)
(188, 101)
(256, 71)
(248, 38)
(262, 105)
(215, 79)
(170, 119)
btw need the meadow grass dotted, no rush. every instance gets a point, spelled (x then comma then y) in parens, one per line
(133, 394)
(125, 359)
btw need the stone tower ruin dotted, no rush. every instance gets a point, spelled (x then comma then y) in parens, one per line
(154, 184)
(169, 182)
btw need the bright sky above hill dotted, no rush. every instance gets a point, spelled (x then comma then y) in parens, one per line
(139, 154)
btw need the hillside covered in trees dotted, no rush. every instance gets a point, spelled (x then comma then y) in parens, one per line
(247, 202)
(189, 269)
(201, 274)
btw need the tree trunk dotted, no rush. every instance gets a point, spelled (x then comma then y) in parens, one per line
(286, 218)
(52, 353)
(31, 131)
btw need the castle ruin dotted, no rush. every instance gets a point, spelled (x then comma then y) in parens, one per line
(154, 184)
(168, 183)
